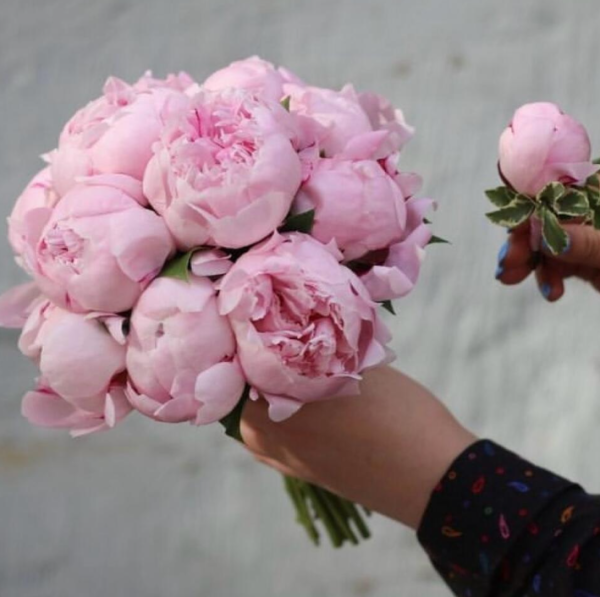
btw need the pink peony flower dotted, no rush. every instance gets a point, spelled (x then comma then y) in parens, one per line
(253, 74)
(181, 357)
(356, 203)
(100, 247)
(305, 325)
(225, 171)
(114, 133)
(80, 359)
(542, 144)
(38, 195)
(396, 270)
(342, 121)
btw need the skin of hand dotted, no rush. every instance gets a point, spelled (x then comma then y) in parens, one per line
(385, 449)
(581, 259)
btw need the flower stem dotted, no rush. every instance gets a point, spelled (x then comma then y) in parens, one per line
(314, 504)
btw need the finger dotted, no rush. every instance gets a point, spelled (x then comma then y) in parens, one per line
(583, 246)
(513, 276)
(550, 280)
(514, 254)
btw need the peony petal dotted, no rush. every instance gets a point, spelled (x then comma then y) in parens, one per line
(218, 389)
(140, 242)
(129, 185)
(176, 410)
(281, 407)
(16, 304)
(211, 262)
(386, 283)
(365, 146)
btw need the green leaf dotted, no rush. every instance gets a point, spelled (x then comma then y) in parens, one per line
(388, 306)
(500, 196)
(574, 204)
(551, 193)
(299, 222)
(593, 195)
(285, 102)
(596, 219)
(554, 236)
(512, 215)
(232, 421)
(437, 240)
(596, 161)
(178, 267)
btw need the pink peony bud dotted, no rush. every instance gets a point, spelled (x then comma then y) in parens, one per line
(542, 144)
(100, 247)
(356, 203)
(181, 357)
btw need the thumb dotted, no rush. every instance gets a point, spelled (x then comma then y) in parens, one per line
(583, 246)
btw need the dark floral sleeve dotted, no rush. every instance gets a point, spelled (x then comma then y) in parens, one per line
(497, 525)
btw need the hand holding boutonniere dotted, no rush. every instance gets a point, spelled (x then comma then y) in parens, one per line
(550, 179)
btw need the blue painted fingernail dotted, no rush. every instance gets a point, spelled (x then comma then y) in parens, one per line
(546, 289)
(499, 271)
(502, 254)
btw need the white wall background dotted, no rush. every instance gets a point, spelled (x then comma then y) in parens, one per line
(155, 511)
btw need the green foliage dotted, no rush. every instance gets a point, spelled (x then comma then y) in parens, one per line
(299, 222)
(178, 267)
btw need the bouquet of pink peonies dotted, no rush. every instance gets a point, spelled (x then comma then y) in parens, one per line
(193, 246)
(545, 163)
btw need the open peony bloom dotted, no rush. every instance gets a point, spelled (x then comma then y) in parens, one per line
(99, 247)
(38, 197)
(71, 393)
(357, 204)
(542, 144)
(253, 74)
(225, 171)
(305, 324)
(114, 133)
(181, 357)
(340, 121)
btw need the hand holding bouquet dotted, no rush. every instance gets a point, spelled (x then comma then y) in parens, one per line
(193, 246)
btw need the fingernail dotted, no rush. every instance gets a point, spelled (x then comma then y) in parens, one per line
(499, 271)
(546, 289)
(502, 254)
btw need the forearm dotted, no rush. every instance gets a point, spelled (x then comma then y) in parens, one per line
(385, 449)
